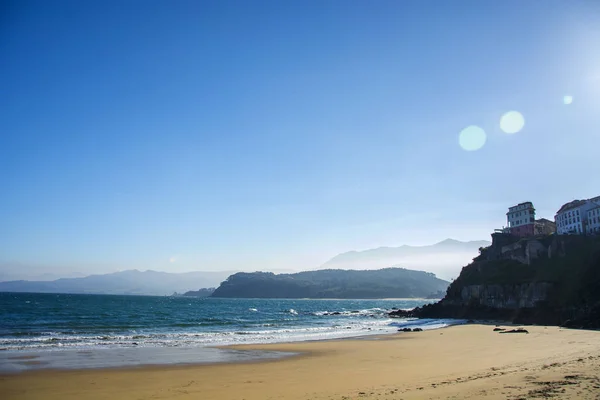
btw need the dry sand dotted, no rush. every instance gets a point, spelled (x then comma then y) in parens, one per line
(460, 362)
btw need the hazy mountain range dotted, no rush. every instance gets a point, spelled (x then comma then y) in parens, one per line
(445, 259)
(125, 282)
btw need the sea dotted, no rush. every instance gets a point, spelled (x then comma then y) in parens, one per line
(88, 331)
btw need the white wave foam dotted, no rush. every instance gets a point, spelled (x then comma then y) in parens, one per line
(201, 339)
(369, 312)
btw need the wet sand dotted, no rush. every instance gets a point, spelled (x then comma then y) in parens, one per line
(460, 362)
(23, 361)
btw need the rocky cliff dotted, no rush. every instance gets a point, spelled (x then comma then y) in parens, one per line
(552, 280)
(504, 296)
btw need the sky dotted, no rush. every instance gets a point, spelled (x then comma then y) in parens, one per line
(238, 135)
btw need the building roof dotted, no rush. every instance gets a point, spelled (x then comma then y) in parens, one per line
(524, 203)
(527, 203)
(570, 205)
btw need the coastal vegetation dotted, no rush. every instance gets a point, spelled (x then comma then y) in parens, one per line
(345, 284)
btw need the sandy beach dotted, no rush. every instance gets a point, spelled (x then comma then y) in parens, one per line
(460, 362)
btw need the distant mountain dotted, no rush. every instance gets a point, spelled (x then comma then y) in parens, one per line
(11, 271)
(384, 283)
(445, 258)
(125, 282)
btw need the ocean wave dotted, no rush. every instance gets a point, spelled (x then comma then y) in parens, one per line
(195, 339)
(202, 339)
(114, 322)
(369, 312)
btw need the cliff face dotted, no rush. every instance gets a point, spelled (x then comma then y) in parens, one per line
(507, 296)
(547, 280)
(524, 251)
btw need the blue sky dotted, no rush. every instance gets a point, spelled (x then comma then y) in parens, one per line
(273, 135)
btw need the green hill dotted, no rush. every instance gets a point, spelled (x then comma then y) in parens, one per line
(331, 283)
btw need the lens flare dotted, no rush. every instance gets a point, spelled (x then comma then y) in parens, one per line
(472, 138)
(512, 122)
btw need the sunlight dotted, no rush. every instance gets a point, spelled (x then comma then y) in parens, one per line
(567, 100)
(512, 122)
(472, 138)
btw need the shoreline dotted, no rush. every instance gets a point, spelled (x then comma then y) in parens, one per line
(465, 361)
(17, 363)
(98, 358)
(32, 361)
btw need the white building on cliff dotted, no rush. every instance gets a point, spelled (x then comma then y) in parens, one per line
(593, 217)
(521, 219)
(573, 217)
